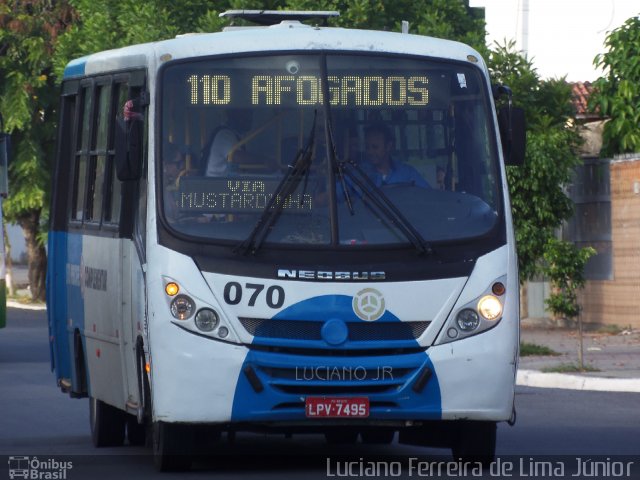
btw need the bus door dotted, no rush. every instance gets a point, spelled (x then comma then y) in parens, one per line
(132, 235)
(94, 248)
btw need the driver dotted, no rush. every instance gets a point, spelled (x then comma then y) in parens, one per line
(380, 166)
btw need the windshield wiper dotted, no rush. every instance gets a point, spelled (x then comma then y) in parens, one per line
(337, 165)
(368, 187)
(298, 170)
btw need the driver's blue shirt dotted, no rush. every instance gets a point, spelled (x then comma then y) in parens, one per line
(398, 173)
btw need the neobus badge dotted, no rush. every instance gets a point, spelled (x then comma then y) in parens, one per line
(326, 275)
(368, 304)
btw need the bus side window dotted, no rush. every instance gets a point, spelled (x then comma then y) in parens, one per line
(82, 155)
(114, 194)
(65, 157)
(98, 156)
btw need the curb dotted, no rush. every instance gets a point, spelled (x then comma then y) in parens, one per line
(25, 306)
(534, 378)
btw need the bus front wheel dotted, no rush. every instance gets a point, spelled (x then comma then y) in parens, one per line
(172, 446)
(475, 441)
(107, 424)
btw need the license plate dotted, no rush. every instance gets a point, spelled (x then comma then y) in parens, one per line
(337, 407)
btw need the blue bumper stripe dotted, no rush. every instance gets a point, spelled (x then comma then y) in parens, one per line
(288, 377)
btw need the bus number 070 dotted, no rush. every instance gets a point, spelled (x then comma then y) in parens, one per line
(233, 294)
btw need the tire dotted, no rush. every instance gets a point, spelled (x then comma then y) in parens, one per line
(107, 424)
(342, 436)
(80, 369)
(172, 447)
(136, 432)
(475, 442)
(144, 390)
(378, 436)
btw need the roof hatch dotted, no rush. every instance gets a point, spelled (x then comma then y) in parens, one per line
(273, 17)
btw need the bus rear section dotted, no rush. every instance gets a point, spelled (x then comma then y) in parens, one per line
(320, 241)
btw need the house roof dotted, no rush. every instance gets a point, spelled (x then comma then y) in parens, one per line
(580, 93)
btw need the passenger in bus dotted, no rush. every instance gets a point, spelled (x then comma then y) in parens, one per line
(440, 178)
(381, 167)
(173, 166)
(223, 139)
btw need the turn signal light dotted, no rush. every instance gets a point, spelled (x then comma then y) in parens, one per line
(171, 289)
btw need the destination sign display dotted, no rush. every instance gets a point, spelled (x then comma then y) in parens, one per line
(228, 195)
(306, 90)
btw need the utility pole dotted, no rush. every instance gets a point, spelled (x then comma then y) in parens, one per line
(524, 40)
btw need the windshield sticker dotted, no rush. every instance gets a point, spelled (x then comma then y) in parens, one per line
(462, 80)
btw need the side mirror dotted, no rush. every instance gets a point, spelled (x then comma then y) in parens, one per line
(128, 145)
(513, 134)
(513, 131)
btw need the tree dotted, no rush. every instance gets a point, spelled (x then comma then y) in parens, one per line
(565, 267)
(28, 32)
(104, 25)
(539, 204)
(617, 94)
(437, 18)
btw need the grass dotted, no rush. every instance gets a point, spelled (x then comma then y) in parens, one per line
(20, 298)
(569, 368)
(24, 297)
(610, 329)
(531, 349)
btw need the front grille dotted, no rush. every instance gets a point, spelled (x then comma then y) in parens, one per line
(311, 330)
(336, 389)
(292, 330)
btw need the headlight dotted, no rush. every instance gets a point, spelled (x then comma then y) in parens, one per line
(467, 320)
(182, 307)
(207, 320)
(490, 307)
(476, 314)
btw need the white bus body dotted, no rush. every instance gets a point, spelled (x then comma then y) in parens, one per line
(308, 315)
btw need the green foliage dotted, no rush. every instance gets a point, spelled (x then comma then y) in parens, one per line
(539, 204)
(532, 349)
(28, 99)
(453, 20)
(565, 267)
(570, 368)
(28, 31)
(617, 94)
(104, 25)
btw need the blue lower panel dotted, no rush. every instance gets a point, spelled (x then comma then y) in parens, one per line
(281, 382)
(65, 302)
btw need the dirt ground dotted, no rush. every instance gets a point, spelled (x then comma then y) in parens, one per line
(611, 355)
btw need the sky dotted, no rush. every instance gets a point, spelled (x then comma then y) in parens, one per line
(564, 35)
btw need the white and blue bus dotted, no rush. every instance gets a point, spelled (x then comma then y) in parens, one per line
(290, 227)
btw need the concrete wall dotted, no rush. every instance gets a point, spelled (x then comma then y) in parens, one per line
(617, 301)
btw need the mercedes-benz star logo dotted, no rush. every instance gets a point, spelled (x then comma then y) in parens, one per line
(368, 304)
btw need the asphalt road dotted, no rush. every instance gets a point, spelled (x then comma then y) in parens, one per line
(36, 420)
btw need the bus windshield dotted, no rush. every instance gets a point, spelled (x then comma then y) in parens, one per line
(401, 150)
